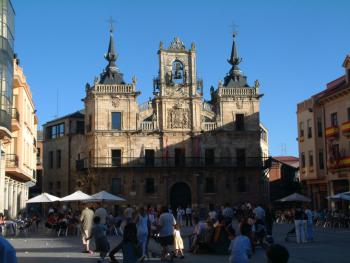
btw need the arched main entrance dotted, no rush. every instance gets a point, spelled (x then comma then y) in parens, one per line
(180, 195)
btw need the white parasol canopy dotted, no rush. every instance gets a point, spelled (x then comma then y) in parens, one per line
(295, 198)
(341, 196)
(43, 198)
(76, 196)
(105, 196)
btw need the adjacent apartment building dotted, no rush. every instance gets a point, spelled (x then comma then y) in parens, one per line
(175, 149)
(7, 15)
(324, 140)
(20, 153)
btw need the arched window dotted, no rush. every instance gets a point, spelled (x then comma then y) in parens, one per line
(178, 71)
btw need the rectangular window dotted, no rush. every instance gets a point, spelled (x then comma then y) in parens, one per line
(240, 153)
(50, 159)
(116, 186)
(302, 160)
(309, 129)
(116, 121)
(209, 185)
(89, 125)
(334, 119)
(38, 157)
(80, 127)
(55, 131)
(320, 160)
(179, 157)
(149, 157)
(301, 127)
(239, 122)
(348, 111)
(149, 186)
(335, 151)
(116, 157)
(50, 185)
(58, 158)
(311, 159)
(319, 127)
(58, 185)
(209, 157)
(241, 185)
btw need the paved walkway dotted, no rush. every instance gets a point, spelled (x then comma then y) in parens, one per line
(330, 246)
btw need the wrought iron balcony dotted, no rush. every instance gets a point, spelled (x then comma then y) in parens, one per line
(345, 128)
(11, 160)
(109, 162)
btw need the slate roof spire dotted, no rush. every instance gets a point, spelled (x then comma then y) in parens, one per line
(235, 77)
(111, 74)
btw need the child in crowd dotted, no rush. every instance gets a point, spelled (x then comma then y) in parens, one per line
(240, 247)
(128, 245)
(179, 245)
(101, 241)
(277, 254)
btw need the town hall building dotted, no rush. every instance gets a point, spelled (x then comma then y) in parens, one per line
(175, 149)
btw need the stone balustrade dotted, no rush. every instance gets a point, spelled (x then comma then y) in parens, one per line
(209, 126)
(127, 88)
(145, 106)
(147, 126)
(237, 91)
(207, 107)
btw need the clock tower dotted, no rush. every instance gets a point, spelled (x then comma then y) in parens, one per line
(177, 91)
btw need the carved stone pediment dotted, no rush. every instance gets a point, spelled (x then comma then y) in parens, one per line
(177, 44)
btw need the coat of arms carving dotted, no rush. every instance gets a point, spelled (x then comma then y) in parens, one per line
(178, 118)
(115, 101)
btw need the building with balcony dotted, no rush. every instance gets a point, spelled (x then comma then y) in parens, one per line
(37, 189)
(324, 141)
(21, 151)
(7, 16)
(174, 149)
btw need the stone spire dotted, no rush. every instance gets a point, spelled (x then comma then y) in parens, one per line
(111, 74)
(235, 76)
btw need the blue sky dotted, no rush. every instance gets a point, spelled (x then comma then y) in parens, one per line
(293, 47)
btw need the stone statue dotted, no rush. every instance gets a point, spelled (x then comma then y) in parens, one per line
(177, 44)
(161, 45)
(256, 84)
(134, 80)
(193, 46)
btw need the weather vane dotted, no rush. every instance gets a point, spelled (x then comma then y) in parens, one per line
(234, 29)
(111, 22)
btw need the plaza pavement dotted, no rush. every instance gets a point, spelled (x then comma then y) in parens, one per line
(331, 245)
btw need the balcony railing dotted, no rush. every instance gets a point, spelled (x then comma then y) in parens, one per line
(147, 126)
(209, 126)
(15, 114)
(11, 160)
(345, 128)
(127, 88)
(109, 162)
(332, 132)
(237, 91)
(340, 163)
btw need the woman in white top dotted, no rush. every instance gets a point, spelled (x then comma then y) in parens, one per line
(142, 231)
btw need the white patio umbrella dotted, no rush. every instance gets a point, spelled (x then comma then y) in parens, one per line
(105, 196)
(43, 198)
(295, 198)
(341, 196)
(76, 196)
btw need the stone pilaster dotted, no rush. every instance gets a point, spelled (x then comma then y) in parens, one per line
(6, 194)
(10, 198)
(14, 200)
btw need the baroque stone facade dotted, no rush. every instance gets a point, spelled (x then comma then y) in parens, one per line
(174, 149)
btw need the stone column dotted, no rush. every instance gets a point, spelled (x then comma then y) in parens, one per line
(10, 198)
(14, 200)
(6, 195)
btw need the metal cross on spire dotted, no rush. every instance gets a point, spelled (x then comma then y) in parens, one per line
(234, 29)
(111, 22)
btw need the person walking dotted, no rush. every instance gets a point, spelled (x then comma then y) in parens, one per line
(128, 245)
(166, 230)
(309, 225)
(179, 244)
(143, 227)
(299, 225)
(188, 215)
(101, 212)
(179, 215)
(86, 219)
